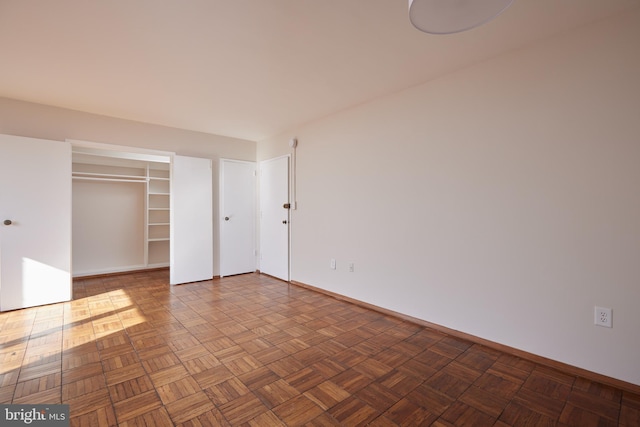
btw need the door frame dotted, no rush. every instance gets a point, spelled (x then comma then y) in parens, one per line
(125, 152)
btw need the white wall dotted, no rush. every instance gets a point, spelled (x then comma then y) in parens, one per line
(502, 200)
(40, 121)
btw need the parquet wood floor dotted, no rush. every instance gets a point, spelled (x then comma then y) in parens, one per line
(250, 350)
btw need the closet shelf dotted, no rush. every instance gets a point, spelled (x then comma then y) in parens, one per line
(158, 209)
(158, 223)
(107, 177)
(160, 239)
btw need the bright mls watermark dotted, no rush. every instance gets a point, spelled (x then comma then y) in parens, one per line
(34, 415)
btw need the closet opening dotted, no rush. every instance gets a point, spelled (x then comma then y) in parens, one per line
(121, 210)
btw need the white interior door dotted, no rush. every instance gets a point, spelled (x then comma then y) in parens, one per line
(237, 217)
(274, 217)
(191, 247)
(35, 222)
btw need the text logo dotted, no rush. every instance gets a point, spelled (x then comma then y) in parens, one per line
(34, 415)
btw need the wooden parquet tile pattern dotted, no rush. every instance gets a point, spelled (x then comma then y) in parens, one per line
(251, 350)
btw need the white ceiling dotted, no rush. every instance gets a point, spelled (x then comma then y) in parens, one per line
(246, 68)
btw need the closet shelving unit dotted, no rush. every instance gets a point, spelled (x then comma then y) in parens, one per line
(95, 165)
(158, 215)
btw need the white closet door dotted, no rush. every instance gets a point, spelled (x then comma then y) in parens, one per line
(191, 252)
(35, 222)
(237, 217)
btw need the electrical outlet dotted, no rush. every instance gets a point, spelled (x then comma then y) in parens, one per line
(603, 317)
(351, 267)
(332, 264)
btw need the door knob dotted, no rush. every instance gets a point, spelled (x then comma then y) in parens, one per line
(284, 221)
(226, 218)
(7, 222)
